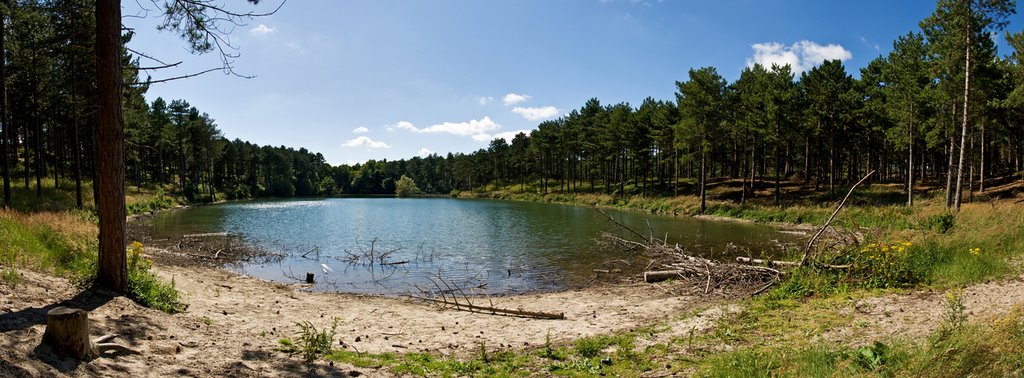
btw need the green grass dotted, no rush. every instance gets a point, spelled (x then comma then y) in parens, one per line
(59, 243)
(10, 277)
(52, 237)
(992, 348)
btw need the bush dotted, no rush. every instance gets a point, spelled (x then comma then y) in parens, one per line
(145, 288)
(884, 265)
(939, 222)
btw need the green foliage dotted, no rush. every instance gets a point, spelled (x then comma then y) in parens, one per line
(146, 289)
(406, 187)
(873, 357)
(953, 312)
(59, 242)
(310, 342)
(159, 202)
(10, 277)
(942, 222)
(589, 347)
(886, 265)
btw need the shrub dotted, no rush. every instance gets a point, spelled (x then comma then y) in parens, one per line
(884, 265)
(145, 288)
(940, 222)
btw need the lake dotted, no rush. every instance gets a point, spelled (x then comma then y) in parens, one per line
(495, 246)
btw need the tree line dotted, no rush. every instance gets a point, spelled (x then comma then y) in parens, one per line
(942, 107)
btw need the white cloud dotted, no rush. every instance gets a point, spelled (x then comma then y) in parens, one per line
(486, 100)
(360, 130)
(424, 152)
(801, 56)
(507, 136)
(469, 128)
(514, 98)
(405, 125)
(365, 141)
(262, 29)
(535, 114)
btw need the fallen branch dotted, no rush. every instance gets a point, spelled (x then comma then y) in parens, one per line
(810, 243)
(205, 235)
(749, 260)
(495, 310)
(662, 275)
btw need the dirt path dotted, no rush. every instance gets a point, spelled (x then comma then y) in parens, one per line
(916, 314)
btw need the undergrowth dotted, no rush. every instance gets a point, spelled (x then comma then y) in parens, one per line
(146, 289)
(310, 342)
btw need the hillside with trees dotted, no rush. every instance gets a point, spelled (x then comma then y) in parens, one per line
(943, 107)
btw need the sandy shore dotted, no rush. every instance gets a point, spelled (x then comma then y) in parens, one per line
(234, 322)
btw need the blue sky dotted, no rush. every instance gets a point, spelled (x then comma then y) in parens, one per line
(359, 80)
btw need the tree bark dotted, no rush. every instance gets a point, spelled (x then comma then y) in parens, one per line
(67, 332)
(5, 133)
(963, 129)
(910, 169)
(949, 164)
(112, 269)
(703, 181)
(981, 184)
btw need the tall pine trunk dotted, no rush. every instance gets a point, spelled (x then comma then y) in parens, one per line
(112, 267)
(5, 133)
(949, 164)
(703, 181)
(910, 169)
(963, 129)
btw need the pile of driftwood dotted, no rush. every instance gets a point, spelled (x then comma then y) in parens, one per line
(673, 261)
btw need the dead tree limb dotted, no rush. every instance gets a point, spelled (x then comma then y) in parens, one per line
(810, 243)
(496, 310)
(627, 228)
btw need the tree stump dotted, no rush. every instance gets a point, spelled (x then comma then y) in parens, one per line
(67, 331)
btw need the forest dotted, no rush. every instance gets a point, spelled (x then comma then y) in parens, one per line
(944, 107)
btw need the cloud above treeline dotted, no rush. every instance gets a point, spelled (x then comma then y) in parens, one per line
(801, 56)
(360, 130)
(536, 114)
(515, 98)
(468, 128)
(366, 142)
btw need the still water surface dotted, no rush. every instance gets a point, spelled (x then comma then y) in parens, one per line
(500, 246)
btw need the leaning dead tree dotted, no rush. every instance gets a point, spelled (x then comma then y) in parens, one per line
(668, 261)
